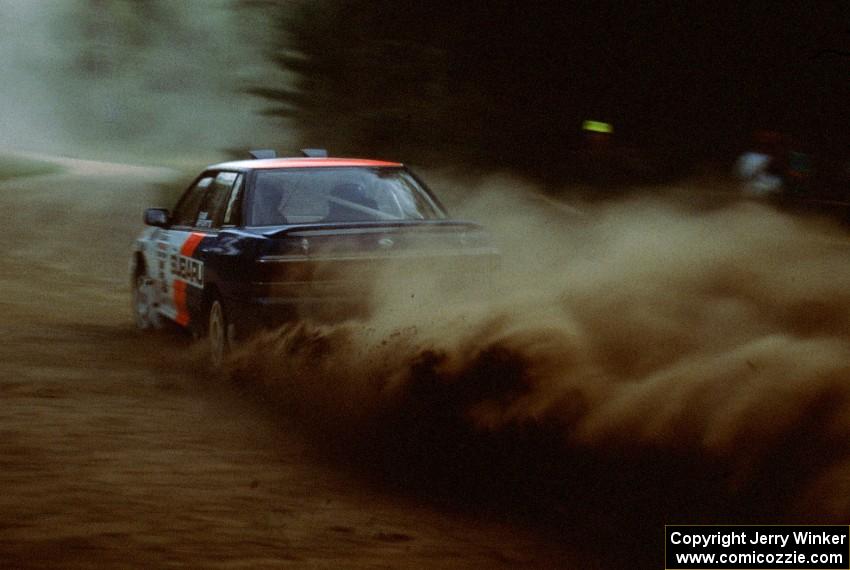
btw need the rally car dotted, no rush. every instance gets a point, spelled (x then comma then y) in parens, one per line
(256, 242)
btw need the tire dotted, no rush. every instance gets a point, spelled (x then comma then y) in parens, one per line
(144, 307)
(219, 334)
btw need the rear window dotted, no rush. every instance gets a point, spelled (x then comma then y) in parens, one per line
(345, 194)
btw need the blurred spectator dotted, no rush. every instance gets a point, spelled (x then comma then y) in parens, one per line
(762, 167)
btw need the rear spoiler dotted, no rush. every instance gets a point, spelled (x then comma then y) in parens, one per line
(281, 231)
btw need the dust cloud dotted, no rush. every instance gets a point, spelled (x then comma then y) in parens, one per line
(644, 361)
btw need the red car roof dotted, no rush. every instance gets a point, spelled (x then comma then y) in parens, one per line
(302, 163)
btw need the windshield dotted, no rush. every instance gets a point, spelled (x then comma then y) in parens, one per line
(345, 194)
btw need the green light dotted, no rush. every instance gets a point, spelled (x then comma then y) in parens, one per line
(597, 127)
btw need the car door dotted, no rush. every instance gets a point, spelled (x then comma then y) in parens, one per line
(193, 257)
(173, 243)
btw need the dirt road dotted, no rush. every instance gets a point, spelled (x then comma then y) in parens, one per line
(116, 452)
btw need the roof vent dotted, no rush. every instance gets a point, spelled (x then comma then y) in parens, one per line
(314, 152)
(263, 153)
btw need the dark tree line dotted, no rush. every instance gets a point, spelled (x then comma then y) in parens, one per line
(508, 84)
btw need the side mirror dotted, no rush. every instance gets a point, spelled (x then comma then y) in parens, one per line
(156, 217)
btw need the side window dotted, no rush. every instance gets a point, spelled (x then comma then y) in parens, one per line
(187, 208)
(233, 212)
(211, 212)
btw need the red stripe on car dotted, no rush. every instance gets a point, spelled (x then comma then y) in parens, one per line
(191, 244)
(188, 249)
(180, 302)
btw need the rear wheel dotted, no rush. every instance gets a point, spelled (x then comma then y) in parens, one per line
(220, 334)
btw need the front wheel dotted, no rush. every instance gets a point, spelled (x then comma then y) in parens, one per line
(145, 312)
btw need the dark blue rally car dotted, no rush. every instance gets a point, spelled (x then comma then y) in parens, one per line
(253, 243)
